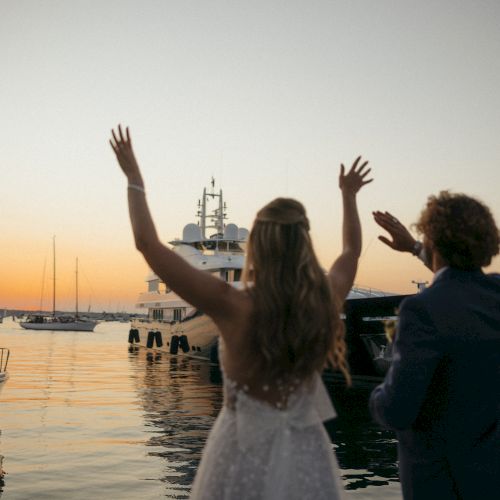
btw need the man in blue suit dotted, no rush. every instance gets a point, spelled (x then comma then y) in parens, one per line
(442, 392)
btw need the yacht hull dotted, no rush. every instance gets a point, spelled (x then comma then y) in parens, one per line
(369, 352)
(200, 334)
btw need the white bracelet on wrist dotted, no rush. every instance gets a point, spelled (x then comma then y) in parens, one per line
(136, 187)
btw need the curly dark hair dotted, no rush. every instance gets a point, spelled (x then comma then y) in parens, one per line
(461, 228)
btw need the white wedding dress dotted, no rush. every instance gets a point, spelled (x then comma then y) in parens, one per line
(260, 451)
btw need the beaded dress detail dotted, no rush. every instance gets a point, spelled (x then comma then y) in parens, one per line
(259, 450)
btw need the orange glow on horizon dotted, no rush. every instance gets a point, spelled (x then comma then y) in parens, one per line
(111, 279)
(108, 281)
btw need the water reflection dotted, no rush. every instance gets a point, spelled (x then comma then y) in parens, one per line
(366, 453)
(72, 425)
(181, 399)
(83, 418)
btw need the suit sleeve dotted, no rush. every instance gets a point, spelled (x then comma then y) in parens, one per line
(395, 404)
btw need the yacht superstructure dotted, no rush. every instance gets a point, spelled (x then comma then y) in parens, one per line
(210, 245)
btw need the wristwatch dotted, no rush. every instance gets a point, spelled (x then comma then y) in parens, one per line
(417, 248)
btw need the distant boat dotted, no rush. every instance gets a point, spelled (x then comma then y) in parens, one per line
(60, 323)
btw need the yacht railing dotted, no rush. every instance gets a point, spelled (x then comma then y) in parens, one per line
(4, 359)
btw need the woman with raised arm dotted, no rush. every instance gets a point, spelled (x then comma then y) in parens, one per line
(277, 335)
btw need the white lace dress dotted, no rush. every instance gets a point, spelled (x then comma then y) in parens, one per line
(257, 451)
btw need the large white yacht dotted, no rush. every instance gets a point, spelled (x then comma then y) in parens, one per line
(175, 326)
(172, 324)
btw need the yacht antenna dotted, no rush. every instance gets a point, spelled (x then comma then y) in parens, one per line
(203, 214)
(217, 216)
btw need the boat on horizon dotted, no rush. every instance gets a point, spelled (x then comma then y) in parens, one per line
(63, 322)
(174, 326)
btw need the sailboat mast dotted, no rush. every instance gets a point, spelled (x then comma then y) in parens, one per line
(76, 305)
(54, 277)
(43, 285)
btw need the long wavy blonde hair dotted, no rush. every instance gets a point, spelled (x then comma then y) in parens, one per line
(296, 326)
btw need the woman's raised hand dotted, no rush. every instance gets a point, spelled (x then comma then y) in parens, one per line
(122, 146)
(354, 180)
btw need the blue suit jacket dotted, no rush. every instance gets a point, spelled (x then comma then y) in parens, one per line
(442, 392)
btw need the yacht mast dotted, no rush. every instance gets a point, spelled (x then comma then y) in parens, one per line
(203, 213)
(214, 219)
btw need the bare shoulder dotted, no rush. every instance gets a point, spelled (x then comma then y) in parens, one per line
(234, 325)
(235, 333)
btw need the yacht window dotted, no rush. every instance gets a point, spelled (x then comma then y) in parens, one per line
(158, 314)
(177, 314)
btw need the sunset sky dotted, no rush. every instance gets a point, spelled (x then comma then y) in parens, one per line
(269, 97)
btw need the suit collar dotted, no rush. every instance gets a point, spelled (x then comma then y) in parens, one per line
(438, 273)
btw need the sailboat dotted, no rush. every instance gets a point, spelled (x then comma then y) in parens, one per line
(60, 323)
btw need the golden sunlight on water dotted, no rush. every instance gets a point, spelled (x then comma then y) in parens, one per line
(82, 417)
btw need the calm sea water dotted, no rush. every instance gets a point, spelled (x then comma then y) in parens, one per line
(83, 417)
